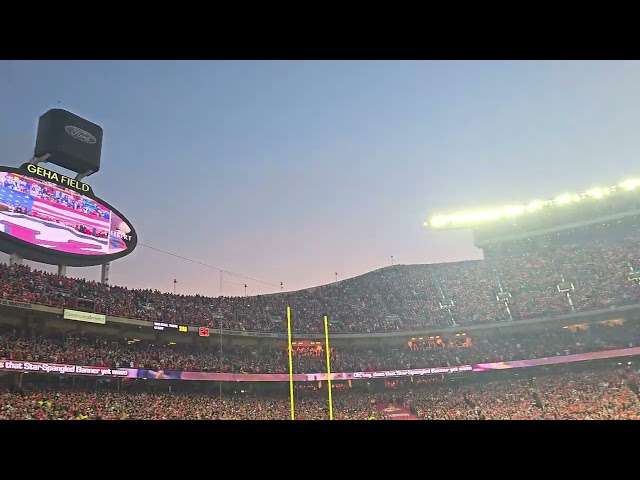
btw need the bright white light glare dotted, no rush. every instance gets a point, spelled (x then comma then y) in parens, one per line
(438, 221)
(597, 192)
(468, 218)
(511, 211)
(629, 184)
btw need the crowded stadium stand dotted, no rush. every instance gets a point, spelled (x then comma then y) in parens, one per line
(599, 272)
(309, 357)
(558, 278)
(602, 394)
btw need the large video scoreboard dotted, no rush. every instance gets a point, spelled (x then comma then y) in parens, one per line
(51, 218)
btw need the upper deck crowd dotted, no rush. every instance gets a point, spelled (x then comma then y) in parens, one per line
(557, 280)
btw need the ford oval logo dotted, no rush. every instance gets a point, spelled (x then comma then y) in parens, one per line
(80, 134)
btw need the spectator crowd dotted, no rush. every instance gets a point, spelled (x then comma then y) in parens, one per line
(512, 284)
(556, 280)
(436, 352)
(578, 396)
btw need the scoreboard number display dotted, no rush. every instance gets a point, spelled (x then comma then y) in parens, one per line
(170, 326)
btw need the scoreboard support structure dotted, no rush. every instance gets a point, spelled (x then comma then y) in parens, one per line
(82, 175)
(104, 275)
(40, 159)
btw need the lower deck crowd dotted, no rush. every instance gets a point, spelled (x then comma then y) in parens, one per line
(594, 395)
(419, 353)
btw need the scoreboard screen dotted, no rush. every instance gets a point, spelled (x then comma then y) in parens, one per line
(169, 326)
(54, 219)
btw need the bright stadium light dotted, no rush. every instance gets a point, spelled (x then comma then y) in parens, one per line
(466, 219)
(513, 211)
(535, 205)
(437, 222)
(563, 199)
(629, 184)
(597, 192)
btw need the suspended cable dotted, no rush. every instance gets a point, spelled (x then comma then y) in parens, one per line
(181, 257)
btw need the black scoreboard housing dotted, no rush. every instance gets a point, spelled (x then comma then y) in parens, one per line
(12, 245)
(71, 141)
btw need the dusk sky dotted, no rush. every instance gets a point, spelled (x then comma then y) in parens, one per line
(290, 171)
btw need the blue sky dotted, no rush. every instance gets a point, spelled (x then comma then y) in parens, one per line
(291, 171)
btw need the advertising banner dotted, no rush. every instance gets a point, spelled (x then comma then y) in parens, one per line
(84, 316)
(59, 369)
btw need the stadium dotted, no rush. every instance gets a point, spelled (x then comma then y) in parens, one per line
(506, 191)
(546, 326)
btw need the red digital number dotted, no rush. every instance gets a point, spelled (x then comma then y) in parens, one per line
(203, 331)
